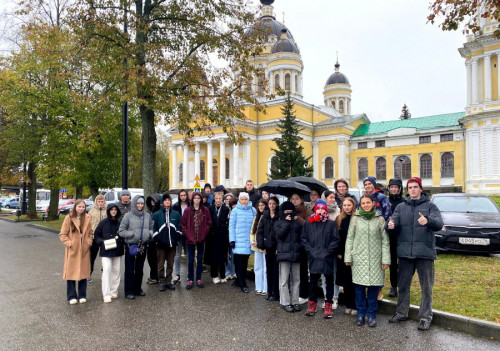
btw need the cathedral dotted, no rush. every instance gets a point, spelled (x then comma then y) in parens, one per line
(447, 151)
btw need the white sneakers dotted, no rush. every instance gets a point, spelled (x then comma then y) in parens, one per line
(335, 304)
(107, 299)
(216, 280)
(302, 301)
(223, 280)
(114, 296)
(82, 300)
(73, 302)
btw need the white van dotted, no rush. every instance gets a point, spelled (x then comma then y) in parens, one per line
(113, 195)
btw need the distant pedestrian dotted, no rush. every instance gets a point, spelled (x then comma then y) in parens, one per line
(97, 214)
(153, 204)
(259, 266)
(395, 198)
(217, 245)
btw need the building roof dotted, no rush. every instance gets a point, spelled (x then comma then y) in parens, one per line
(337, 77)
(420, 123)
(285, 45)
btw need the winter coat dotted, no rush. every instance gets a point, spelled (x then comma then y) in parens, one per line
(158, 203)
(415, 240)
(254, 197)
(240, 223)
(302, 212)
(320, 240)
(338, 200)
(395, 200)
(187, 224)
(133, 222)
(77, 251)
(266, 239)
(124, 208)
(217, 244)
(367, 248)
(382, 204)
(108, 229)
(97, 214)
(288, 237)
(177, 207)
(167, 227)
(253, 234)
(344, 274)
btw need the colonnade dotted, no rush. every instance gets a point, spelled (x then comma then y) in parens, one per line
(474, 88)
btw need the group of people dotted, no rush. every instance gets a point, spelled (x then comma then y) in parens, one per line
(333, 238)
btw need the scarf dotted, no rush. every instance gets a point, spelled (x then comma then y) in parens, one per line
(367, 215)
(316, 217)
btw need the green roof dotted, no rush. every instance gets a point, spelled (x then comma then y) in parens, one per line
(419, 123)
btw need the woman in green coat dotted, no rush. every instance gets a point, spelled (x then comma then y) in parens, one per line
(367, 251)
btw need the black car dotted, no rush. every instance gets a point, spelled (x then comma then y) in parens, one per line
(471, 223)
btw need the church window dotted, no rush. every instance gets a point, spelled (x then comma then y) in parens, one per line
(379, 143)
(276, 82)
(227, 168)
(362, 168)
(446, 137)
(447, 165)
(329, 167)
(426, 166)
(202, 169)
(287, 81)
(402, 167)
(380, 168)
(341, 106)
(273, 167)
(424, 139)
(333, 104)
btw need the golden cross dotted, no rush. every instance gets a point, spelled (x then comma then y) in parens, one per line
(283, 17)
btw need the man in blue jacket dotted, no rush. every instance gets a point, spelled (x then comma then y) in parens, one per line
(382, 204)
(415, 221)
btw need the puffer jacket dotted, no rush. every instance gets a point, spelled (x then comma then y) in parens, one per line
(266, 239)
(415, 240)
(166, 227)
(97, 214)
(395, 200)
(108, 229)
(367, 248)
(132, 222)
(382, 204)
(320, 240)
(158, 203)
(240, 224)
(288, 236)
(124, 208)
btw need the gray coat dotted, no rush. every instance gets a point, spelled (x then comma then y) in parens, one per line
(415, 240)
(130, 226)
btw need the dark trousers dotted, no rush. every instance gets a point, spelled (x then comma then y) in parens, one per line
(71, 289)
(94, 251)
(366, 300)
(153, 260)
(240, 267)
(134, 266)
(304, 275)
(313, 283)
(273, 274)
(349, 294)
(164, 255)
(199, 247)
(393, 268)
(218, 270)
(425, 271)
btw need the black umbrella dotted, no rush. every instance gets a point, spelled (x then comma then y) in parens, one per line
(285, 187)
(312, 183)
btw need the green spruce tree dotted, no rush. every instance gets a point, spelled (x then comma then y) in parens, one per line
(405, 113)
(289, 161)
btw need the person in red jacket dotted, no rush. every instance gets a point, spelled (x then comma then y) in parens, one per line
(195, 223)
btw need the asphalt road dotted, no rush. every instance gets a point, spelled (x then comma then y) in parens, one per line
(34, 314)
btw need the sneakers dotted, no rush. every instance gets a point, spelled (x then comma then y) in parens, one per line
(360, 321)
(245, 290)
(393, 292)
(73, 301)
(114, 296)
(323, 306)
(152, 281)
(302, 301)
(288, 308)
(177, 280)
(200, 284)
(380, 295)
(263, 293)
(354, 312)
(328, 310)
(296, 307)
(189, 285)
(90, 280)
(335, 304)
(424, 325)
(258, 292)
(216, 280)
(348, 310)
(396, 318)
(163, 287)
(372, 322)
(107, 299)
(82, 300)
(223, 281)
(311, 310)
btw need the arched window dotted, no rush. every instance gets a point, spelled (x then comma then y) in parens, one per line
(425, 166)
(180, 172)
(296, 84)
(380, 168)
(202, 169)
(362, 168)
(287, 81)
(402, 167)
(341, 106)
(227, 168)
(329, 167)
(276, 82)
(447, 165)
(260, 88)
(272, 164)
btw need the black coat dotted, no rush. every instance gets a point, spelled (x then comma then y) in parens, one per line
(288, 237)
(339, 201)
(217, 244)
(177, 207)
(320, 240)
(254, 197)
(344, 274)
(266, 238)
(108, 229)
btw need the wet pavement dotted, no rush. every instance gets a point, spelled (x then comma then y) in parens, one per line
(34, 314)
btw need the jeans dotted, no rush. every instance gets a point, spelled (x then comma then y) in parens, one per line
(260, 271)
(336, 287)
(313, 282)
(273, 273)
(241, 265)
(177, 259)
(366, 300)
(199, 247)
(230, 270)
(110, 275)
(289, 272)
(71, 289)
(134, 266)
(425, 271)
(164, 255)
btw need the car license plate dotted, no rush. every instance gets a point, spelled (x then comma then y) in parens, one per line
(474, 241)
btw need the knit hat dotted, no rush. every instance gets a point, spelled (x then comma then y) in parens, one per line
(371, 180)
(287, 206)
(125, 192)
(207, 185)
(220, 188)
(396, 181)
(140, 200)
(416, 180)
(320, 204)
(242, 195)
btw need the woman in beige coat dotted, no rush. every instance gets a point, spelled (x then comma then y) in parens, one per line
(77, 235)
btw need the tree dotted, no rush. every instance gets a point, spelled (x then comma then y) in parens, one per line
(405, 113)
(290, 161)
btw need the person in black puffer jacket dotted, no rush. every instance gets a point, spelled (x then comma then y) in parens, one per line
(395, 188)
(111, 259)
(288, 232)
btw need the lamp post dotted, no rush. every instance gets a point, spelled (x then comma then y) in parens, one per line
(24, 204)
(125, 116)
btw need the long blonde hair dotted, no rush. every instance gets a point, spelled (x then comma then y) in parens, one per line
(343, 214)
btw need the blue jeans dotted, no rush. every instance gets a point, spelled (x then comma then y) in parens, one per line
(71, 289)
(260, 271)
(230, 270)
(366, 300)
(199, 247)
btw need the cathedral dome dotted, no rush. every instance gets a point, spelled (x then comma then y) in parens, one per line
(268, 26)
(285, 44)
(337, 77)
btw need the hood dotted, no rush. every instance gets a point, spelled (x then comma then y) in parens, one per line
(422, 199)
(197, 193)
(99, 197)
(245, 207)
(287, 205)
(157, 198)
(110, 206)
(133, 207)
(471, 219)
(399, 183)
(331, 208)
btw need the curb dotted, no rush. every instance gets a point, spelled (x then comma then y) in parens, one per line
(41, 227)
(445, 320)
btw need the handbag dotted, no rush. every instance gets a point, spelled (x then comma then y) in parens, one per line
(134, 249)
(110, 244)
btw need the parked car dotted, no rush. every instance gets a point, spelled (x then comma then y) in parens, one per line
(65, 205)
(43, 207)
(471, 223)
(11, 203)
(113, 195)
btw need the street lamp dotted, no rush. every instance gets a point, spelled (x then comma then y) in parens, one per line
(125, 115)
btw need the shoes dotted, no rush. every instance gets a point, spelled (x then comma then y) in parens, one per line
(354, 312)
(302, 301)
(141, 293)
(177, 280)
(288, 308)
(296, 307)
(263, 293)
(170, 286)
(216, 280)
(82, 300)
(380, 295)
(236, 284)
(189, 285)
(130, 297)
(200, 284)
(152, 281)
(245, 290)
(396, 318)
(341, 289)
(328, 310)
(424, 325)
(311, 310)
(223, 280)
(335, 304)
(163, 287)
(272, 298)
(393, 292)
(107, 299)
(372, 322)
(204, 269)
(73, 301)
(229, 277)
(90, 280)
(323, 306)
(258, 292)
(360, 321)
(348, 310)
(114, 296)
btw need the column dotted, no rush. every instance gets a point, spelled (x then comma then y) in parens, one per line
(222, 161)
(475, 97)
(487, 78)
(197, 159)
(498, 70)
(185, 178)
(341, 152)
(236, 165)
(246, 160)
(210, 169)
(175, 169)
(282, 80)
(315, 159)
(468, 68)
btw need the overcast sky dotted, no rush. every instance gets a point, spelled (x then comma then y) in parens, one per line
(389, 53)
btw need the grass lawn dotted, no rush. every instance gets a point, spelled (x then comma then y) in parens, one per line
(53, 224)
(465, 285)
(497, 200)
